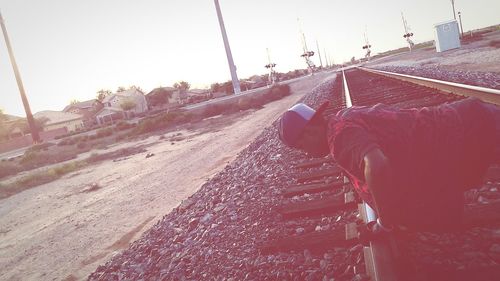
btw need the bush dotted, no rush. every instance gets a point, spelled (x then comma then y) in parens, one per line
(122, 125)
(106, 132)
(214, 109)
(247, 103)
(40, 147)
(279, 91)
(29, 157)
(7, 169)
(81, 145)
(31, 160)
(120, 138)
(494, 43)
(145, 126)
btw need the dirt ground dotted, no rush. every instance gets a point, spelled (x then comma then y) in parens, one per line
(478, 55)
(64, 229)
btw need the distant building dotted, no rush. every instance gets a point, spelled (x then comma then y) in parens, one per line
(57, 119)
(109, 115)
(163, 96)
(88, 109)
(115, 106)
(131, 95)
(197, 95)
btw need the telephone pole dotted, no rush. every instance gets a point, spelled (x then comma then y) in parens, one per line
(232, 67)
(319, 55)
(461, 27)
(453, 6)
(31, 121)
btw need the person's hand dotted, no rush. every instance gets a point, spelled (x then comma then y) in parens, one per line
(372, 231)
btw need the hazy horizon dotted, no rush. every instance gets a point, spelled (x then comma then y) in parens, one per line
(68, 49)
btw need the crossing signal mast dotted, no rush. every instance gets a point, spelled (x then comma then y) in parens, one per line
(306, 54)
(408, 33)
(367, 47)
(270, 66)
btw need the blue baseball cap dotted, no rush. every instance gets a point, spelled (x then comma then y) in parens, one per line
(295, 119)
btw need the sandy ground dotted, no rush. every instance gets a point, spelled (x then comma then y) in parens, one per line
(61, 231)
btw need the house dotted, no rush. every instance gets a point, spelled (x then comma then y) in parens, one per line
(58, 119)
(87, 109)
(109, 115)
(122, 105)
(197, 95)
(132, 96)
(163, 96)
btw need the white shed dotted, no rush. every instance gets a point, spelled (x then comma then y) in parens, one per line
(447, 35)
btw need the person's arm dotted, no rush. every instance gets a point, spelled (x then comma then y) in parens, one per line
(378, 176)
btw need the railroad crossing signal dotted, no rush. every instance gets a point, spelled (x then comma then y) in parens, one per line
(407, 33)
(270, 65)
(307, 54)
(367, 46)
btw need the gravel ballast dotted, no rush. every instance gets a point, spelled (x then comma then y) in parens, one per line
(215, 234)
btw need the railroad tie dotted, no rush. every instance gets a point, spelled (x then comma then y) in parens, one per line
(312, 188)
(318, 206)
(319, 174)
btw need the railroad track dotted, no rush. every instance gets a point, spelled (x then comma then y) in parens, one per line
(367, 87)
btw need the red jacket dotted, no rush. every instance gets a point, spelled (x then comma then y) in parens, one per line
(431, 150)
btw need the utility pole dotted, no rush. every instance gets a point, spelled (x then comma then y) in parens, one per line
(453, 6)
(31, 121)
(461, 27)
(326, 58)
(232, 67)
(319, 54)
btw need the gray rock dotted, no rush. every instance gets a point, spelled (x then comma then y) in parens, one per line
(206, 218)
(219, 208)
(193, 223)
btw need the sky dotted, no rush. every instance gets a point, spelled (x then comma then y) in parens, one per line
(70, 49)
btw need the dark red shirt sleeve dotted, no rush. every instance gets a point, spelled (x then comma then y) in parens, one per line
(349, 144)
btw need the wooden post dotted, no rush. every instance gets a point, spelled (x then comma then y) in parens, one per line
(31, 121)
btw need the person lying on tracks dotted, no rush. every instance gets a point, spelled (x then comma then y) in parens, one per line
(410, 165)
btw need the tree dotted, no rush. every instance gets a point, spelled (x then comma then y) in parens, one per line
(227, 87)
(40, 123)
(127, 105)
(121, 89)
(137, 88)
(159, 96)
(182, 85)
(215, 87)
(101, 94)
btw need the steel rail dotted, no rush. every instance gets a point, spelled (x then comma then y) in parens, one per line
(379, 259)
(485, 94)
